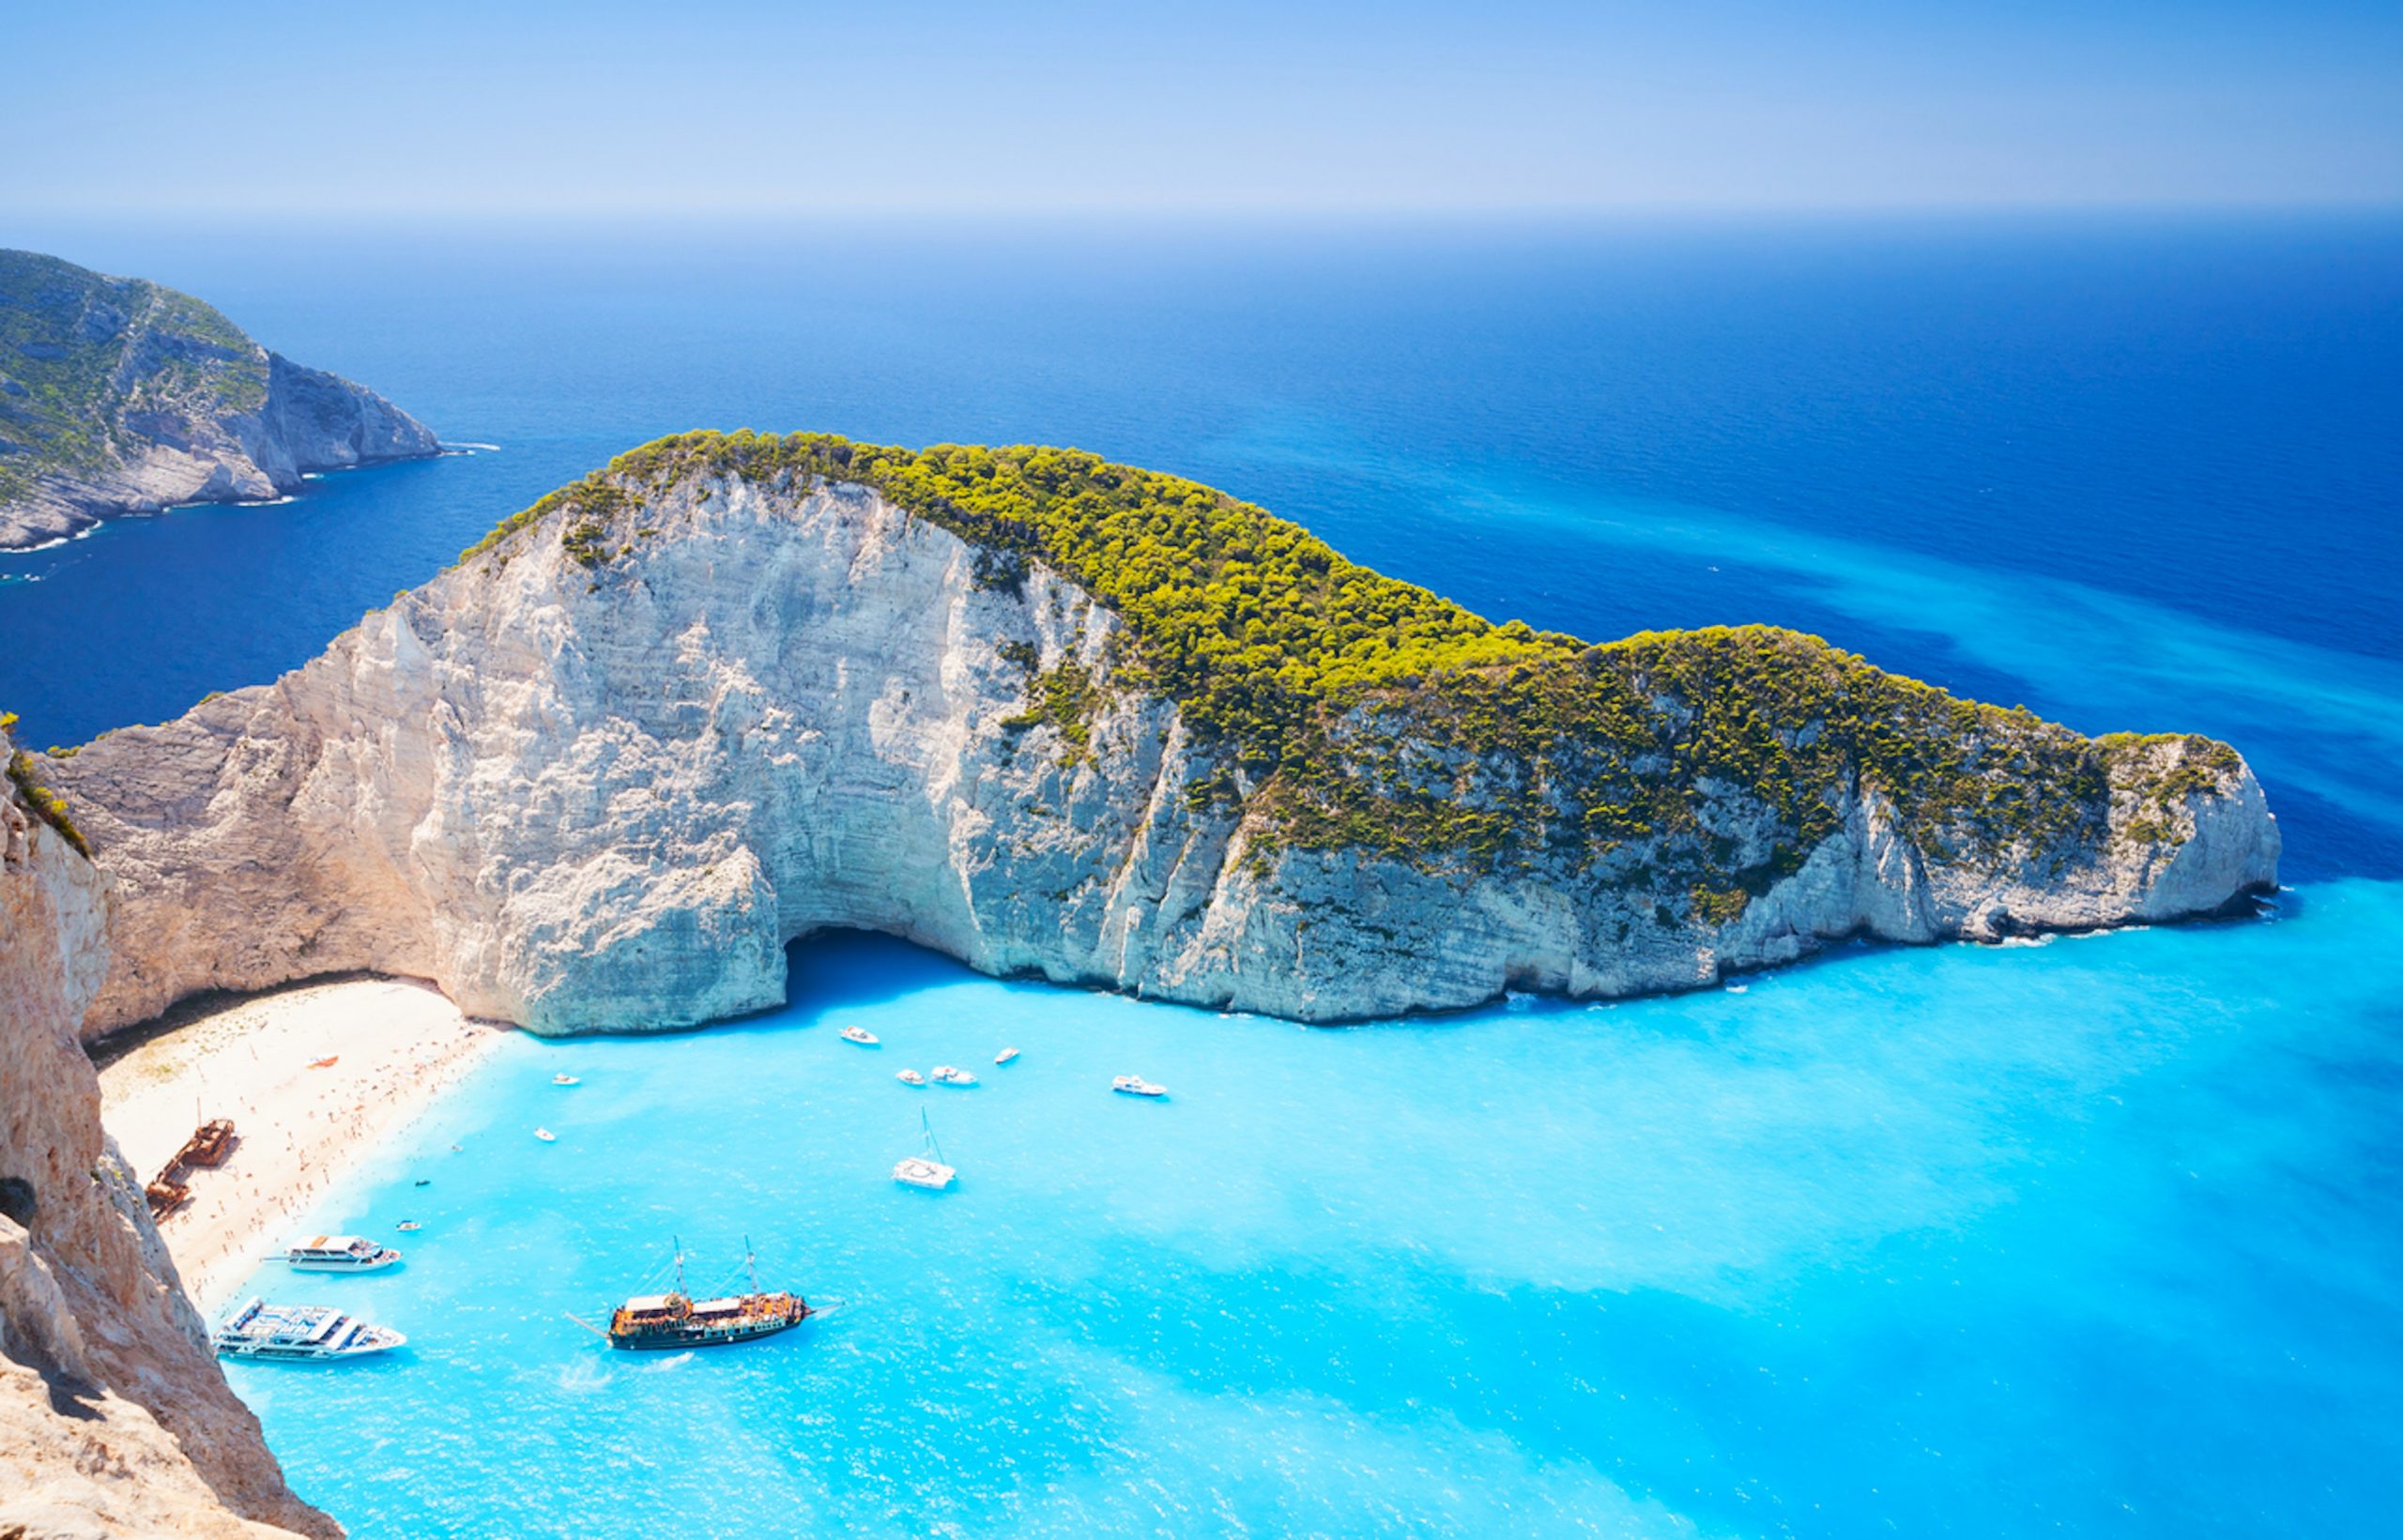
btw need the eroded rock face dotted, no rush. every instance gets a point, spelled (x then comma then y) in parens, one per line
(582, 805)
(119, 396)
(113, 1417)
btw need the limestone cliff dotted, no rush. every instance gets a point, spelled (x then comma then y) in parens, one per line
(119, 396)
(730, 693)
(113, 1418)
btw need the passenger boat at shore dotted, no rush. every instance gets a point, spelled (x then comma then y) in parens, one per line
(300, 1331)
(1135, 1085)
(650, 1322)
(340, 1253)
(924, 1171)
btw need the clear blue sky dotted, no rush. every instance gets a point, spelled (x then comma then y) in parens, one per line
(589, 106)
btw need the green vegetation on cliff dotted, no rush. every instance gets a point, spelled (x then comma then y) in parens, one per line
(1357, 711)
(80, 351)
(44, 803)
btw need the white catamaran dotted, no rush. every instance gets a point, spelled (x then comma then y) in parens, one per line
(340, 1253)
(260, 1330)
(926, 1170)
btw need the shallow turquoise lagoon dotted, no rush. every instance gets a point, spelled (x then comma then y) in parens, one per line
(1953, 1240)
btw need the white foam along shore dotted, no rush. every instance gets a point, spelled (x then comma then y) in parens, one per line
(398, 1045)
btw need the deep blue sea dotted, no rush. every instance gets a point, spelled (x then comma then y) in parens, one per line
(2099, 1236)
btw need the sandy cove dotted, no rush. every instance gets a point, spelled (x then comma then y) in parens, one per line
(398, 1043)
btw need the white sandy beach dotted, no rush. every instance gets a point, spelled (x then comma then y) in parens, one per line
(398, 1045)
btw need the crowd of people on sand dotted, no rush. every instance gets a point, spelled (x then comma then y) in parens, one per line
(299, 1139)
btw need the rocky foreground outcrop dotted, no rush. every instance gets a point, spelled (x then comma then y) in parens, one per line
(739, 689)
(113, 1418)
(118, 396)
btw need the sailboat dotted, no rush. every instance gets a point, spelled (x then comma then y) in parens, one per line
(926, 1170)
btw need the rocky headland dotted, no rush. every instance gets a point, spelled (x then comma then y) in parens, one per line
(113, 1418)
(119, 396)
(1062, 718)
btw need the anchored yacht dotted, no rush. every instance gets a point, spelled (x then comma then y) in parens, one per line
(860, 1036)
(340, 1253)
(1135, 1085)
(924, 1171)
(260, 1330)
(951, 1074)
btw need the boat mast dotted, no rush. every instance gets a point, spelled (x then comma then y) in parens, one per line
(680, 1262)
(751, 1260)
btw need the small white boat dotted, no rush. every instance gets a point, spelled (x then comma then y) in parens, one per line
(910, 1078)
(563, 1078)
(260, 1330)
(1005, 1056)
(1135, 1085)
(546, 1136)
(860, 1036)
(926, 1170)
(952, 1075)
(408, 1225)
(339, 1254)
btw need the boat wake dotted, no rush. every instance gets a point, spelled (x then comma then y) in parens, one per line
(582, 1377)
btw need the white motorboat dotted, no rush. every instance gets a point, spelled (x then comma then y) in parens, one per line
(1005, 1056)
(952, 1075)
(1135, 1085)
(910, 1078)
(260, 1330)
(546, 1136)
(563, 1078)
(924, 1171)
(860, 1036)
(408, 1225)
(340, 1253)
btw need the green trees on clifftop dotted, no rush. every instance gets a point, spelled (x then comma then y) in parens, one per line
(1353, 711)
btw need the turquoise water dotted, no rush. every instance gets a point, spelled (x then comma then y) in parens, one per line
(1878, 1244)
(2097, 1237)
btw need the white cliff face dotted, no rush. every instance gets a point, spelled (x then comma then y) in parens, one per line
(585, 801)
(113, 1417)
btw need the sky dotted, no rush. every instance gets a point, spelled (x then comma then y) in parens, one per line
(435, 108)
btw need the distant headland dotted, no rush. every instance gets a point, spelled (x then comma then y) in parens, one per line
(119, 396)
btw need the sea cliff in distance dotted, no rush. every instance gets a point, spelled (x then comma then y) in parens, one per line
(1059, 717)
(119, 396)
